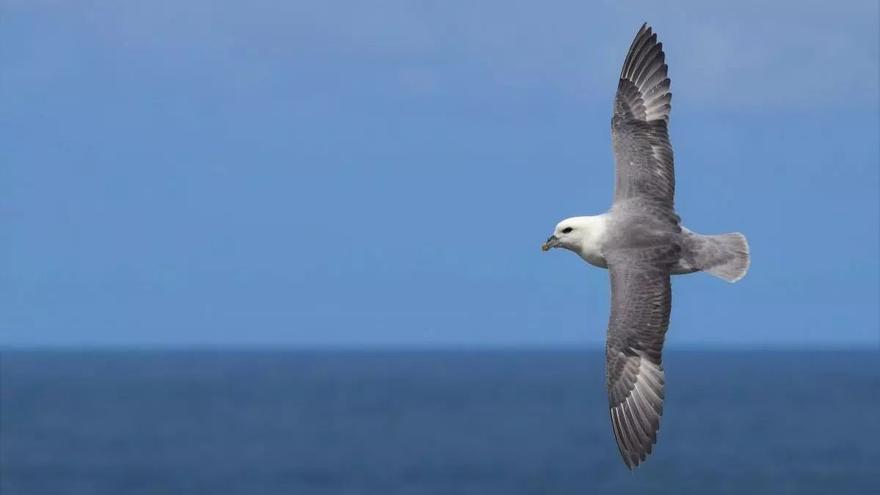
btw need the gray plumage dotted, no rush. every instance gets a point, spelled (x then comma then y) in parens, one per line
(643, 154)
(641, 242)
(645, 246)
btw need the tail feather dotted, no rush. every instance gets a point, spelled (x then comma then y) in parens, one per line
(725, 256)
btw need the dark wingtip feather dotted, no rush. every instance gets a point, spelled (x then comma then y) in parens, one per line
(646, 70)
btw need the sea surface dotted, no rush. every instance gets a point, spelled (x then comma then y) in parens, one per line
(425, 422)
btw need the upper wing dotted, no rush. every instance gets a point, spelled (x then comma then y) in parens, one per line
(641, 297)
(642, 152)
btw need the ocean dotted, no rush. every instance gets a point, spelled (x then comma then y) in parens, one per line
(429, 422)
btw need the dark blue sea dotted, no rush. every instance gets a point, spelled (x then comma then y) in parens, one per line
(494, 422)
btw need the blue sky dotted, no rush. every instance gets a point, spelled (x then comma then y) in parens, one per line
(305, 173)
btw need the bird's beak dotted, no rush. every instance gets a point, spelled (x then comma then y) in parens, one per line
(552, 242)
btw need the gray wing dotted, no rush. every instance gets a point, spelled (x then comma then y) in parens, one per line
(642, 151)
(641, 297)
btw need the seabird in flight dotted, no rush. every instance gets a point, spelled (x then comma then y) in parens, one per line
(641, 241)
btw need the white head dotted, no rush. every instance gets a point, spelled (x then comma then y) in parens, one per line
(582, 235)
(568, 234)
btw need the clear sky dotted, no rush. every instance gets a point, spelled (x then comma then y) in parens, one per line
(325, 173)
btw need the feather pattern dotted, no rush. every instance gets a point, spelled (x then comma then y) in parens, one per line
(639, 125)
(641, 299)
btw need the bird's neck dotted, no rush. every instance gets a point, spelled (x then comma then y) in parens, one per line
(593, 240)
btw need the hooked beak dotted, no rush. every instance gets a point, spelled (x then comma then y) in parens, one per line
(552, 242)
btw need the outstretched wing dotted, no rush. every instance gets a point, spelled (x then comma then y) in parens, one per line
(642, 151)
(641, 297)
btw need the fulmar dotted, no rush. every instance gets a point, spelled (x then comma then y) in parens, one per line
(641, 241)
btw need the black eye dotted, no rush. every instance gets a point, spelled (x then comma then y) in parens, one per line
(566, 230)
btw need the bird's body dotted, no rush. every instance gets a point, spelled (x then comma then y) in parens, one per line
(641, 241)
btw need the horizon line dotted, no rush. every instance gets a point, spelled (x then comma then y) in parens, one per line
(429, 347)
